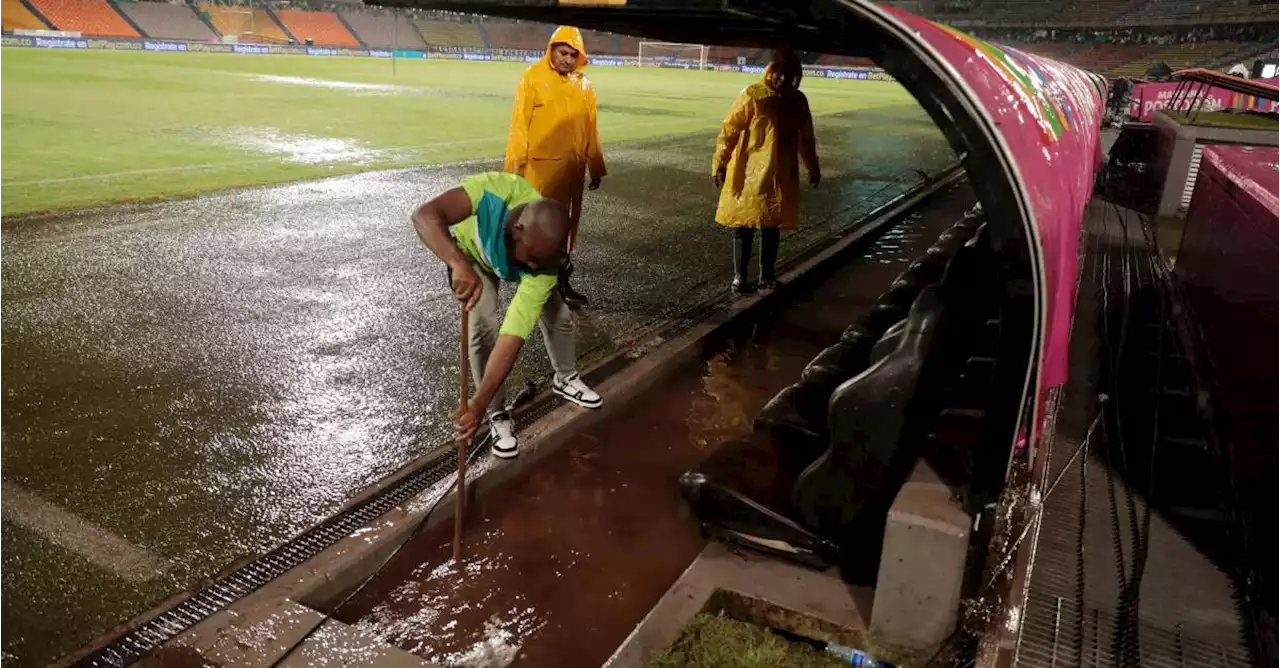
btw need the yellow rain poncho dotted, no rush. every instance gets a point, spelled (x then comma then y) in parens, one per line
(761, 142)
(553, 139)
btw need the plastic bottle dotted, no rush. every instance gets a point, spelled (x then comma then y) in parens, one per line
(856, 657)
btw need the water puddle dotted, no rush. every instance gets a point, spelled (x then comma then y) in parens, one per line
(348, 86)
(559, 565)
(298, 148)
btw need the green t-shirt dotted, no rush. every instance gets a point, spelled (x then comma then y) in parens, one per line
(492, 194)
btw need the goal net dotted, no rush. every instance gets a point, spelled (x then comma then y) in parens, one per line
(672, 54)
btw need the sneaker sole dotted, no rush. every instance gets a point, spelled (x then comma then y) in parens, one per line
(506, 454)
(576, 400)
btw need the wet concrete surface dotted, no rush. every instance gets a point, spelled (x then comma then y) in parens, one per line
(202, 379)
(561, 564)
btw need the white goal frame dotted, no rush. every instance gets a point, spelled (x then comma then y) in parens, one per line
(675, 51)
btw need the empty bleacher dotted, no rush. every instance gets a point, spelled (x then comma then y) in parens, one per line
(599, 43)
(320, 27)
(1020, 11)
(15, 16)
(1106, 57)
(518, 36)
(255, 26)
(1237, 12)
(87, 17)
(845, 61)
(384, 31)
(447, 34)
(1178, 56)
(1092, 12)
(1164, 10)
(168, 21)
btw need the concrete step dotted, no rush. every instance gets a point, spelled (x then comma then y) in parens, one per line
(259, 636)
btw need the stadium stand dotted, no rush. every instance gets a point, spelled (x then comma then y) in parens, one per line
(324, 28)
(842, 61)
(600, 43)
(444, 34)
(1178, 56)
(1163, 10)
(168, 21)
(1105, 57)
(15, 16)
(1237, 12)
(518, 36)
(1056, 50)
(384, 31)
(1092, 12)
(1013, 12)
(87, 17)
(628, 45)
(248, 27)
(724, 54)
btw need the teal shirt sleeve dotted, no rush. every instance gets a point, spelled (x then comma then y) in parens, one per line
(531, 295)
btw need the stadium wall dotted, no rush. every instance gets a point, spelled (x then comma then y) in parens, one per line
(482, 55)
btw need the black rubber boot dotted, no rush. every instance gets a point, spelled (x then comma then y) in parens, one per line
(571, 297)
(768, 258)
(742, 238)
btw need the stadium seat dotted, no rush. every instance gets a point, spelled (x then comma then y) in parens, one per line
(255, 26)
(16, 16)
(1178, 56)
(87, 17)
(445, 34)
(168, 21)
(382, 30)
(518, 36)
(320, 27)
(600, 43)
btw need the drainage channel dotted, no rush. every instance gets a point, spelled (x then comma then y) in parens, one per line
(561, 563)
(244, 580)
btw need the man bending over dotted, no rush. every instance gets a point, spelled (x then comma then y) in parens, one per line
(493, 227)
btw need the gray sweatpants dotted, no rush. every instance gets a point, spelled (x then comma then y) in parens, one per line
(556, 323)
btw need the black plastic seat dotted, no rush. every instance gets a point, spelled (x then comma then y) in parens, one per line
(843, 493)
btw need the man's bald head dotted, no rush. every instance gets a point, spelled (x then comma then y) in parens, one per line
(539, 232)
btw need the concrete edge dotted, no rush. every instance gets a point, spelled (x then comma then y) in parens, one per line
(323, 581)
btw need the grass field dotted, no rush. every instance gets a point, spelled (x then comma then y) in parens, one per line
(90, 128)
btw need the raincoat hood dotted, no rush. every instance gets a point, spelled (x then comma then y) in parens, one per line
(573, 37)
(786, 62)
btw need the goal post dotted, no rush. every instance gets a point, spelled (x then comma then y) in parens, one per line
(672, 54)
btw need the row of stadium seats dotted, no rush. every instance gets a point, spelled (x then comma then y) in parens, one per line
(16, 16)
(249, 25)
(447, 34)
(87, 17)
(1178, 56)
(384, 31)
(1093, 12)
(170, 21)
(520, 36)
(319, 27)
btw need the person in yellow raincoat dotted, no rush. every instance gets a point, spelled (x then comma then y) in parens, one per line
(756, 165)
(553, 139)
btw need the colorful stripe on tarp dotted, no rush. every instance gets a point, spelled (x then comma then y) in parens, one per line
(1025, 75)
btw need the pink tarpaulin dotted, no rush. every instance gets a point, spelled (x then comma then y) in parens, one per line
(1148, 97)
(1049, 115)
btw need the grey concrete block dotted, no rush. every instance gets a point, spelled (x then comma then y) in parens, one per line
(917, 596)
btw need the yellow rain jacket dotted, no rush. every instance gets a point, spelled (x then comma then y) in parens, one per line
(761, 142)
(553, 139)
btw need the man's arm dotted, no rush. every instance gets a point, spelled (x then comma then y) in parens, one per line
(808, 145)
(517, 157)
(432, 221)
(595, 154)
(733, 126)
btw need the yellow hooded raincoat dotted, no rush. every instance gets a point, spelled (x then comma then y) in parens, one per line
(761, 142)
(553, 139)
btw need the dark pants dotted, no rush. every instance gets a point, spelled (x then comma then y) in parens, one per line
(743, 237)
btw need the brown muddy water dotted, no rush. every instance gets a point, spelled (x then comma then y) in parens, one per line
(561, 564)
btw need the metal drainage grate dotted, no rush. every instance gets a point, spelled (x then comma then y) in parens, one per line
(131, 646)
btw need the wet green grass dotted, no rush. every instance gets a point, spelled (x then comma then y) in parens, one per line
(716, 641)
(90, 128)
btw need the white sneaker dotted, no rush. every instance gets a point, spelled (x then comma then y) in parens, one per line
(572, 388)
(503, 431)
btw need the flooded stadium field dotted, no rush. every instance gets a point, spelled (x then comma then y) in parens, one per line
(189, 383)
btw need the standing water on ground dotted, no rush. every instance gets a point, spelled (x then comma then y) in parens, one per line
(559, 565)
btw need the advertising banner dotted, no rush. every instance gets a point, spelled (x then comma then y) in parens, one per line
(1148, 97)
